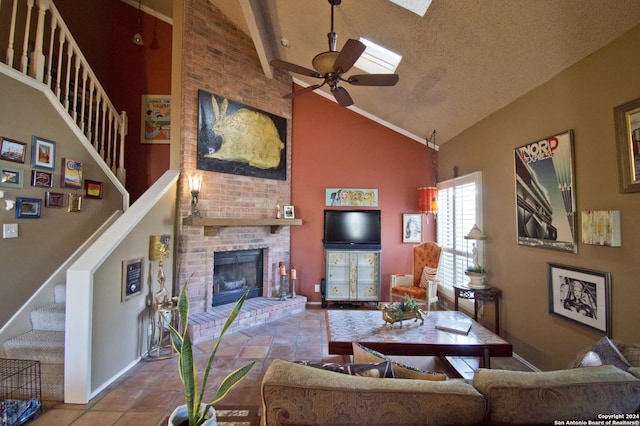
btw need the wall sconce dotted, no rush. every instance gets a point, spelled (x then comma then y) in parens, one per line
(195, 182)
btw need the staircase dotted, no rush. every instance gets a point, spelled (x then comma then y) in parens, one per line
(45, 343)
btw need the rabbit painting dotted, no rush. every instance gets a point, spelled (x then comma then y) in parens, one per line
(248, 137)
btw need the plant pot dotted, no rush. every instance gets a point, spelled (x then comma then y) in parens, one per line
(391, 317)
(476, 279)
(179, 416)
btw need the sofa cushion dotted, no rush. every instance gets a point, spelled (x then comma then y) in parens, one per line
(516, 397)
(401, 371)
(373, 369)
(296, 394)
(632, 354)
(428, 274)
(604, 352)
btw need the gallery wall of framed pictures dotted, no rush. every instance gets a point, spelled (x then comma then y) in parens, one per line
(18, 173)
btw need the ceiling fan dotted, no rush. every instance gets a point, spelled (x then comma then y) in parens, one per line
(331, 65)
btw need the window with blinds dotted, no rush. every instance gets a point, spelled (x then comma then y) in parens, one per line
(459, 208)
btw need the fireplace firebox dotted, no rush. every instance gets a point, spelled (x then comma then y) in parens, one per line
(235, 272)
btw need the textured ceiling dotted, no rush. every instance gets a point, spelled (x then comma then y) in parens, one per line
(462, 61)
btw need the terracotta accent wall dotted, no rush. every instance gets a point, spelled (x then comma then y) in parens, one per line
(581, 98)
(220, 59)
(335, 147)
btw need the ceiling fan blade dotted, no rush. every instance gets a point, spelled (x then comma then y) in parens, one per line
(373, 79)
(342, 96)
(288, 66)
(303, 91)
(349, 55)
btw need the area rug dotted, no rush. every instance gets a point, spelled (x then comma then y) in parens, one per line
(237, 415)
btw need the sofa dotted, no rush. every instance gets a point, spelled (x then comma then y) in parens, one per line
(295, 393)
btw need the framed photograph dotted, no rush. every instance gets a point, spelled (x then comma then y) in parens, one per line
(39, 178)
(71, 174)
(28, 208)
(545, 193)
(132, 278)
(627, 121)
(93, 189)
(582, 296)
(11, 178)
(53, 199)
(411, 228)
(367, 197)
(43, 153)
(156, 119)
(75, 203)
(289, 212)
(11, 150)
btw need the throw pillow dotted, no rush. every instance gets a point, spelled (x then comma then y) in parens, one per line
(428, 274)
(400, 371)
(375, 370)
(632, 354)
(604, 352)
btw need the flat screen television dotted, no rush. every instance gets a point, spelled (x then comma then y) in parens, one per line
(352, 230)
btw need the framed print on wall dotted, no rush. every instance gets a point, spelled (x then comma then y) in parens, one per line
(71, 174)
(11, 177)
(39, 178)
(43, 153)
(93, 189)
(627, 120)
(156, 119)
(28, 208)
(75, 203)
(53, 199)
(411, 228)
(132, 278)
(580, 295)
(545, 193)
(11, 150)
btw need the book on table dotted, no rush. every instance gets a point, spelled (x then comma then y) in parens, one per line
(456, 326)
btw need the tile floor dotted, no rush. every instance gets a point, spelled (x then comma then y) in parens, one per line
(147, 393)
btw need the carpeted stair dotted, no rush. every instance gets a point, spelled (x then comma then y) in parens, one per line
(45, 343)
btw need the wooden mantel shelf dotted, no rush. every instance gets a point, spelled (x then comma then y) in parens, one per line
(211, 225)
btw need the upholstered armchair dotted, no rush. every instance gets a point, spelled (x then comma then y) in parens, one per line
(422, 285)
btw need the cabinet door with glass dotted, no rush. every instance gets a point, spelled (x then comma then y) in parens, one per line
(353, 275)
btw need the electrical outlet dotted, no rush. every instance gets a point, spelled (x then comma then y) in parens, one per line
(317, 288)
(10, 230)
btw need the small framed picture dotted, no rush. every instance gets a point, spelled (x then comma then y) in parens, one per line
(582, 296)
(132, 278)
(289, 212)
(93, 189)
(11, 150)
(75, 203)
(411, 228)
(43, 153)
(28, 208)
(71, 174)
(11, 178)
(53, 199)
(39, 178)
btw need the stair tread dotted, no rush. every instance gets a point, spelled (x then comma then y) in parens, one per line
(49, 317)
(44, 338)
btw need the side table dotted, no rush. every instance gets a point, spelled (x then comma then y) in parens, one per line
(160, 317)
(487, 294)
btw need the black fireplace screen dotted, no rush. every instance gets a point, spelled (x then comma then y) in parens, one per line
(234, 272)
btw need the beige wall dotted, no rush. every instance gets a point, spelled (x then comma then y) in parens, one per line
(581, 98)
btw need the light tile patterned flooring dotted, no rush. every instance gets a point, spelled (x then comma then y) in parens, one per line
(147, 393)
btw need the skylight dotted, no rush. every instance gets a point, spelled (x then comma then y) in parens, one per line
(377, 60)
(419, 7)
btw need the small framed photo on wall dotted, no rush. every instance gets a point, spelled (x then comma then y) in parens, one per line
(11, 150)
(411, 228)
(43, 153)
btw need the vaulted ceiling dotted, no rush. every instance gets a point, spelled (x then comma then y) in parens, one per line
(462, 61)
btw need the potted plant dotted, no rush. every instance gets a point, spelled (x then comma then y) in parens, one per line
(476, 276)
(400, 311)
(196, 412)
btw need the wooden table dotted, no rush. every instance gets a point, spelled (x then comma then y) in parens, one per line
(368, 328)
(488, 294)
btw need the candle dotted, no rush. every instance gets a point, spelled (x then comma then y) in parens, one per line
(293, 274)
(282, 270)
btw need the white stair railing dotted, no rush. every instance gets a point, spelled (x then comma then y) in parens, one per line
(66, 72)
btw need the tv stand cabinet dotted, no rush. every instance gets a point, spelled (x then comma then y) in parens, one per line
(352, 276)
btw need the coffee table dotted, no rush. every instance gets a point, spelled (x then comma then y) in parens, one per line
(368, 328)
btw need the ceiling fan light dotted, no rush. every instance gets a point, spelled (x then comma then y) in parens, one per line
(323, 62)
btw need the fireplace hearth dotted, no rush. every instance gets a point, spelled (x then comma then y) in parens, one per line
(234, 272)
